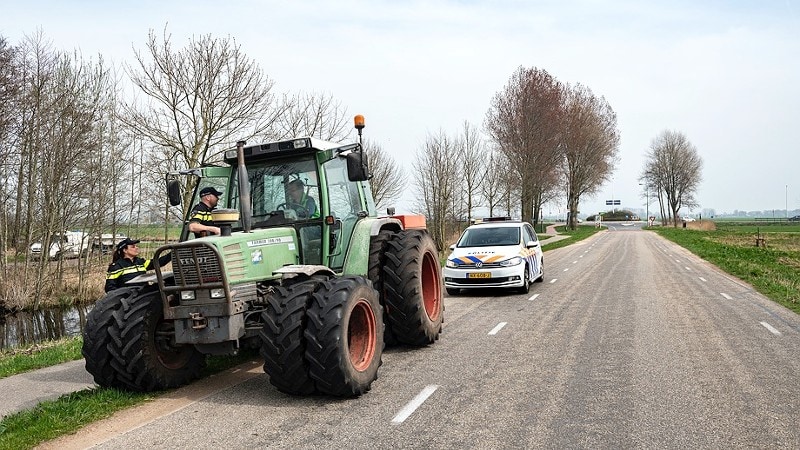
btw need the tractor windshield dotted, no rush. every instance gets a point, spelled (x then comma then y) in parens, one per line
(282, 191)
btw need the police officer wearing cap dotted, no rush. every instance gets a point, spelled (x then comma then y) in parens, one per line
(127, 264)
(200, 222)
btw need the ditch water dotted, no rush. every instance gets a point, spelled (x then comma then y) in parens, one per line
(27, 328)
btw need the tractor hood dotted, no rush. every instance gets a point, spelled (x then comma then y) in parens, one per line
(240, 258)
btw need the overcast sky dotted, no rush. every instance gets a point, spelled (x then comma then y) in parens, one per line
(724, 73)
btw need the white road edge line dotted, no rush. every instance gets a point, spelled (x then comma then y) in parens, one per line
(771, 329)
(702, 279)
(553, 280)
(726, 296)
(414, 403)
(533, 297)
(497, 329)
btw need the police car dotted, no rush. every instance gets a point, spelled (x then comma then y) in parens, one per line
(496, 253)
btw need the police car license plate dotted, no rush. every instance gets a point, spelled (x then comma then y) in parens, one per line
(479, 275)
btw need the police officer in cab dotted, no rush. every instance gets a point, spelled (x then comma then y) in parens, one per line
(200, 222)
(127, 265)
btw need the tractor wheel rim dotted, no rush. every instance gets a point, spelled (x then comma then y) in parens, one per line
(362, 335)
(431, 288)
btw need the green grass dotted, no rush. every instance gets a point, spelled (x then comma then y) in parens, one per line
(34, 357)
(774, 271)
(70, 412)
(580, 233)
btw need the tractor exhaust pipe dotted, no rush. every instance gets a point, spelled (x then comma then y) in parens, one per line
(244, 189)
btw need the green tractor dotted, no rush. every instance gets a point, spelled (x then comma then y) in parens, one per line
(317, 284)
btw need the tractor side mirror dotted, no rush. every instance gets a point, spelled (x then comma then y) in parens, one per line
(174, 192)
(357, 167)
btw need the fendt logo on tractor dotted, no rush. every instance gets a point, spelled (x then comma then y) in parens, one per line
(304, 270)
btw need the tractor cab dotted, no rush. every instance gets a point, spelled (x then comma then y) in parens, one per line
(315, 187)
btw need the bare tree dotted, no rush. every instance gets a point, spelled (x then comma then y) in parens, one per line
(315, 115)
(492, 186)
(589, 143)
(674, 168)
(523, 124)
(472, 156)
(201, 99)
(435, 171)
(9, 125)
(388, 179)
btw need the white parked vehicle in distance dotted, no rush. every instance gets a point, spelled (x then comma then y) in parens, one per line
(67, 244)
(687, 218)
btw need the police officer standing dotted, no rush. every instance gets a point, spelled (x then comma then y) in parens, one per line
(127, 264)
(200, 222)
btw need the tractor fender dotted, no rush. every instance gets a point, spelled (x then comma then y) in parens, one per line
(303, 269)
(356, 261)
(147, 279)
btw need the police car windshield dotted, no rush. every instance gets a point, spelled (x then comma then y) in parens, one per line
(489, 236)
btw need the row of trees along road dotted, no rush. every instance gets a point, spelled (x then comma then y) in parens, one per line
(546, 140)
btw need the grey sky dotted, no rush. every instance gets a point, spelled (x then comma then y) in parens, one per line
(725, 73)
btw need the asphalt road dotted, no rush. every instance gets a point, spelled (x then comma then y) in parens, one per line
(630, 342)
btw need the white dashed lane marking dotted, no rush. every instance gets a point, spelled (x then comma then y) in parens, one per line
(553, 280)
(414, 404)
(533, 297)
(702, 279)
(726, 296)
(771, 329)
(497, 329)
(689, 269)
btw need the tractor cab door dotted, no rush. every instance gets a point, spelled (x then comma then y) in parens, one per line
(346, 207)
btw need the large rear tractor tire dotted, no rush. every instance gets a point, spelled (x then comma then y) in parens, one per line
(140, 352)
(344, 336)
(377, 259)
(283, 342)
(96, 339)
(413, 285)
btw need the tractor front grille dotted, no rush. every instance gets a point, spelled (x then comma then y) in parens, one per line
(196, 266)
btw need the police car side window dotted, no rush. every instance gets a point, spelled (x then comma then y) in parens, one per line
(530, 235)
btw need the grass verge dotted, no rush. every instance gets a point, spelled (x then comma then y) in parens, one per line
(773, 270)
(580, 233)
(70, 412)
(19, 360)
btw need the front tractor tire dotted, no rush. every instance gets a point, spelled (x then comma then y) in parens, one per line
(283, 342)
(412, 284)
(128, 345)
(344, 336)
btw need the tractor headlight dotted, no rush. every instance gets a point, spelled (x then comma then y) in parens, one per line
(218, 293)
(187, 295)
(515, 261)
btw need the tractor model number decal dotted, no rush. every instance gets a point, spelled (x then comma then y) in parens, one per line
(271, 241)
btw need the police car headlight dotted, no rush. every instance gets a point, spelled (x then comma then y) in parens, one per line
(515, 261)
(218, 293)
(450, 264)
(187, 295)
